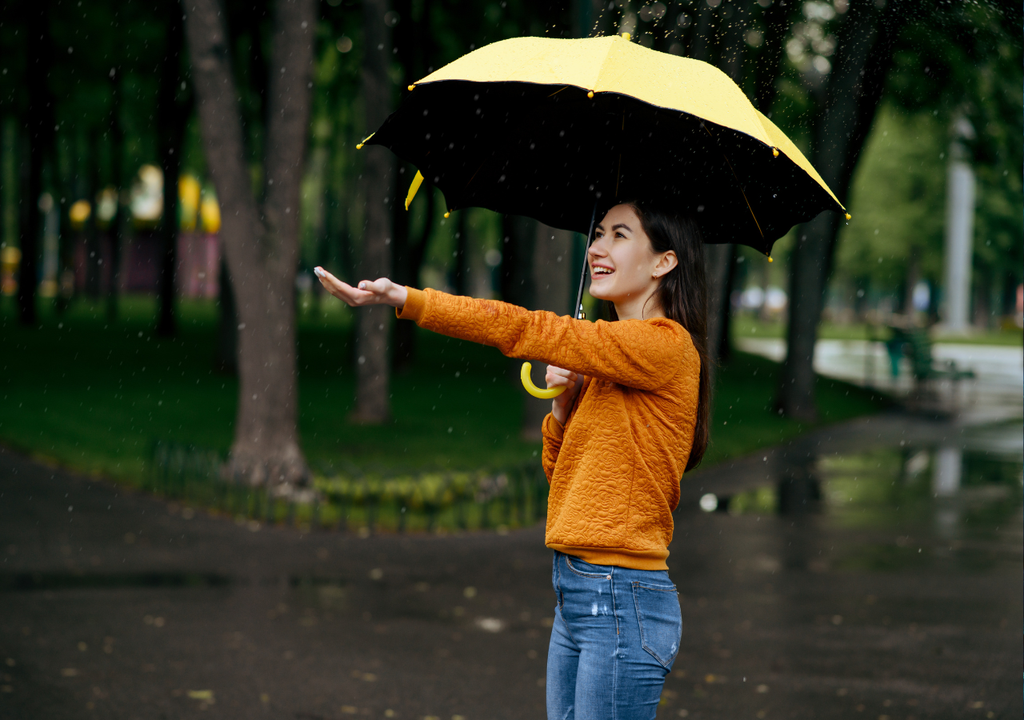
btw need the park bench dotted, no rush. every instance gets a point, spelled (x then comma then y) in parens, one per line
(929, 373)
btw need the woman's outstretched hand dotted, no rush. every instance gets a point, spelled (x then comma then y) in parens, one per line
(559, 377)
(368, 292)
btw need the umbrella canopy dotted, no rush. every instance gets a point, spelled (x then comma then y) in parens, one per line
(548, 127)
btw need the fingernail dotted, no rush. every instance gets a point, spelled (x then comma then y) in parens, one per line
(319, 272)
(362, 286)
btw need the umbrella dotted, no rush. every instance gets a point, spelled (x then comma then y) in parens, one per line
(556, 129)
(546, 127)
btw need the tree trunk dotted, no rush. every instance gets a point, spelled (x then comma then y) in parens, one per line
(261, 244)
(373, 324)
(702, 43)
(172, 119)
(408, 48)
(459, 272)
(119, 223)
(554, 291)
(225, 360)
(519, 237)
(408, 264)
(39, 128)
(93, 269)
(719, 259)
(862, 62)
(775, 19)
(319, 163)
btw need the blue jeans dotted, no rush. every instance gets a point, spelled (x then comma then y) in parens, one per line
(615, 636)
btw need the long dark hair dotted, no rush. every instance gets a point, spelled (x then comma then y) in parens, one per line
(683, 297)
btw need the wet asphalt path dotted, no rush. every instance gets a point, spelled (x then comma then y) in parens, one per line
(119, 605)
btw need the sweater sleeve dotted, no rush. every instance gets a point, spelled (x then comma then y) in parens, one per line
(641, 354)
(552, 432)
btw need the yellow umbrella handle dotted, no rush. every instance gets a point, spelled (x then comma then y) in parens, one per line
(524, 375)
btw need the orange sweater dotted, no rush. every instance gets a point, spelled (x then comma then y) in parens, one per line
(614, 468)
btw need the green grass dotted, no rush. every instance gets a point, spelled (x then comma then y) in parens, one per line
(745, 325)
(93, 396)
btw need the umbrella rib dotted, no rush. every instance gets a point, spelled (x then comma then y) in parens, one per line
(738, 183)
(473, 176)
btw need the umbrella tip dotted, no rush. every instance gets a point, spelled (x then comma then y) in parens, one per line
(448, 214)
(770, 259)
(411, 88)
(590, 93)
(775, 150)
(625, 36)
(848, 216)
(359, 146)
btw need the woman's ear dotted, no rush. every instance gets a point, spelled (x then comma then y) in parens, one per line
(666, 263)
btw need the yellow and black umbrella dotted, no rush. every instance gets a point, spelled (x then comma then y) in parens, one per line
(557, 129)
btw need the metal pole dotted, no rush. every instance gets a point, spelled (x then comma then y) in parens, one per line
(578, 307)
(959, 231)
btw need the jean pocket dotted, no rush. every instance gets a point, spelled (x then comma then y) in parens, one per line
(661, 622)
(582, 567)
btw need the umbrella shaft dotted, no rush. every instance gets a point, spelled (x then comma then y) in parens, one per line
(577, 309)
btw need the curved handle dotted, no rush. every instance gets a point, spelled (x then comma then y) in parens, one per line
(524, 375)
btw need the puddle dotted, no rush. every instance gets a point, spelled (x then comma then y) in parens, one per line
(958, 500)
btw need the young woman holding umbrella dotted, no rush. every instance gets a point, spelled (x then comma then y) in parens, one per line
(633, 419)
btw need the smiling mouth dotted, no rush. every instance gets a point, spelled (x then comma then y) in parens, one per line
(600, 272)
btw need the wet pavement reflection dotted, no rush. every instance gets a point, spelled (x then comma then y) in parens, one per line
(868, 570)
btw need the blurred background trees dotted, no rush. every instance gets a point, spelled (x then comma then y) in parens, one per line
(106, 186)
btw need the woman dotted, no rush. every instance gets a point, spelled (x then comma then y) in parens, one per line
(633, 418)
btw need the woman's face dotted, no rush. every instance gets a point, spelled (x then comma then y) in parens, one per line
(624, 269)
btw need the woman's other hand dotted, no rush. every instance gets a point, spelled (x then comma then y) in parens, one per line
(559, 377)
(368, 292)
